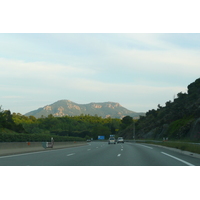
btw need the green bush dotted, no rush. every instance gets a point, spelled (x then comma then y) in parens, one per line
(4, 137)
(179, 128)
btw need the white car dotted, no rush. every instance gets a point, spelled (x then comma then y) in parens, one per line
(111, 140)
(120, 140)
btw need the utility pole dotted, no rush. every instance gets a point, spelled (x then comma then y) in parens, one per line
(134, 131)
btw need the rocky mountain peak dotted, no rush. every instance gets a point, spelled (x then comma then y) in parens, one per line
(68, 108)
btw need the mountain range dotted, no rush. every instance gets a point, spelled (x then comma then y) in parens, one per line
(68, 108)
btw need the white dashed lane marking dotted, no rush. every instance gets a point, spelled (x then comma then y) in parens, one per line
(71, 154)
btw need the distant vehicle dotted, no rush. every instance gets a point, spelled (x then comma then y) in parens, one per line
(112, 135)
(88, 140)
(111, 140)
(120, 140)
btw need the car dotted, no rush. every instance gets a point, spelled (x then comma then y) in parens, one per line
(88, 140)
(120, 140)
(111, 140)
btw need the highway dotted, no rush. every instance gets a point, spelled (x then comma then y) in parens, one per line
(103, 154)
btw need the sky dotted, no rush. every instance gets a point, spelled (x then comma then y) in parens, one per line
(135, 54)
(139, 71)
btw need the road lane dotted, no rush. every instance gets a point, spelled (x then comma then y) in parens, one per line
(102, 154)
(155, 157)
(187, 163)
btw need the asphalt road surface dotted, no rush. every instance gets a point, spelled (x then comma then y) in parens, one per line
(103, 154)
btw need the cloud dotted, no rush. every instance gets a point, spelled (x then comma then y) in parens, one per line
(23, 66)
(11, 97)
(135, 96)
(37, 79)
(145, 54)
(137, 70)
(39, 70)
(164, 66)
(114, 88)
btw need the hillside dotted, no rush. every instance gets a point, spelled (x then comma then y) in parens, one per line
(179, 119)
(69, 108)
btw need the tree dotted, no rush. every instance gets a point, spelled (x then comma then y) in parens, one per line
(2, 118)
(159, 106)
(100, 130)
(126, 121)
(32, 118)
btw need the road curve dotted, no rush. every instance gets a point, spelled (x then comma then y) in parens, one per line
(103, 154)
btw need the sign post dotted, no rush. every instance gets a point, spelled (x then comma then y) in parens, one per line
(134, 131)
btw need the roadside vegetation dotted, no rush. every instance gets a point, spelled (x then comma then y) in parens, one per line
(177, 120)
(17, 127)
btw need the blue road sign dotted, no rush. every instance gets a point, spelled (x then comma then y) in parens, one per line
(101, 137)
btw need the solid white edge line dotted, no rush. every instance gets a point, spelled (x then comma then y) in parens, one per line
(187, 163)
(36, 152)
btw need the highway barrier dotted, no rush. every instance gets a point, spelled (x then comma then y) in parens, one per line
(8, 148)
